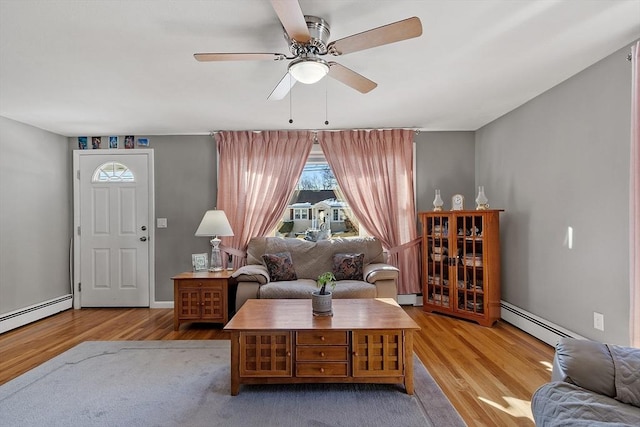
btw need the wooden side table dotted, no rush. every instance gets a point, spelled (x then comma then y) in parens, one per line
(201, 297)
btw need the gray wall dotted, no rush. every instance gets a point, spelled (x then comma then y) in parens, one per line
(35, 216)
(185, 188)
(444, 161)
(559, 161)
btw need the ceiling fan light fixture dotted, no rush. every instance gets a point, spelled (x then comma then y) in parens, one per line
(308, 70)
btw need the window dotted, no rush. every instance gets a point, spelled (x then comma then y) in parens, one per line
(338, 215)
(113, 172)
(317, 203)
(300, 213)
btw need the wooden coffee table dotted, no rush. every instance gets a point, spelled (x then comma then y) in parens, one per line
(280, 342)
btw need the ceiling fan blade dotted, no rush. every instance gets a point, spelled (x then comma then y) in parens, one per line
(282, 88)
(205, 57)
(351, 78)
(390, 33)
(292, 19)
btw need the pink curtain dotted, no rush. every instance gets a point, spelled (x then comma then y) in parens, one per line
(634, 196)
(257, 173)
(374, 170)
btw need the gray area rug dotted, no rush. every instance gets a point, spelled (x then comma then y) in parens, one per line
(186, 383)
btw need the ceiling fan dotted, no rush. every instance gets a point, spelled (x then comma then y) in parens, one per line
(307, 37)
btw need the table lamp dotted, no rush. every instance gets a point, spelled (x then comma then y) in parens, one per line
(214, 224)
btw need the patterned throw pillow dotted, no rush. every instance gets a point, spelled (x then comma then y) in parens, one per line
(348, 266)
(280, 266)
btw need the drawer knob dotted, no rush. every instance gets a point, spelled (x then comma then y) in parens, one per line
(322, 370)
(322, 354)
(321, 338)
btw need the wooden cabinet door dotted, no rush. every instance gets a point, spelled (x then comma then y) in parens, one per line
(470, 280)
(438, 252)
(478, 266)
(212, 303)
(188, 303)
(378, 353)
(265, 354)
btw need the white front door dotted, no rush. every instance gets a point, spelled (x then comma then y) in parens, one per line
(114, 225)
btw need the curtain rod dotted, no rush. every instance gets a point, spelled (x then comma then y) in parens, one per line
(314, 131)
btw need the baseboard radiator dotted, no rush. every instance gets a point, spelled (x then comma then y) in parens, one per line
(534, 325)
(24, 316)
(538, 327)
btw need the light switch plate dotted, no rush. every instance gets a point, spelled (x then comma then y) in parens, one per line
(162, 222)
(598, 321)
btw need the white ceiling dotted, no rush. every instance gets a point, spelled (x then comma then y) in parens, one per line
(115, 67)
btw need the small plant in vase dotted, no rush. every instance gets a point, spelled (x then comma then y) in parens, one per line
(323, 280)
(321, 300)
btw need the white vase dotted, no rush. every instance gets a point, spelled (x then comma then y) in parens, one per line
(321, 304)
(437, 202)
(482, 203)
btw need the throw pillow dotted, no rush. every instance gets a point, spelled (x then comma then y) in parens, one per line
(348, 266)
(280, 266)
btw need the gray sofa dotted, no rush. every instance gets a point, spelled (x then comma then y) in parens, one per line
(592, 384)
(310, 259)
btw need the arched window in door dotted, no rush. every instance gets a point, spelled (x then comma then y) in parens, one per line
(113, 172)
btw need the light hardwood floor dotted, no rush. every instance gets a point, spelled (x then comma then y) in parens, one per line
(488, 374)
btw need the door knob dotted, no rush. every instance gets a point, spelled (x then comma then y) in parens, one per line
(143, 239)
(143, 228)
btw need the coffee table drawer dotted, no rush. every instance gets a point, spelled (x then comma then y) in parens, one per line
(322, 353)
(322, 369)
(322, 338)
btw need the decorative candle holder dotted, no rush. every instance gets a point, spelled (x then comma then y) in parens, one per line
(482, 203)
(437, 202)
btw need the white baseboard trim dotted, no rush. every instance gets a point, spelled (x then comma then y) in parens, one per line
(533, 325)
(24, 316)
(161, 304)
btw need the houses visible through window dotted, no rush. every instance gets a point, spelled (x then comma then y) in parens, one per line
(316, 210)
(113, 172)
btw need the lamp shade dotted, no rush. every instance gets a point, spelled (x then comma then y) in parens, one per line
(214, 223)
(308, 70)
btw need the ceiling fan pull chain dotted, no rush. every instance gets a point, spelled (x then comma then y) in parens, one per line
(326, 102)
(290, 100)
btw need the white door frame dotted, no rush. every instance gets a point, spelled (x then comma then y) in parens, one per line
(76, 217)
